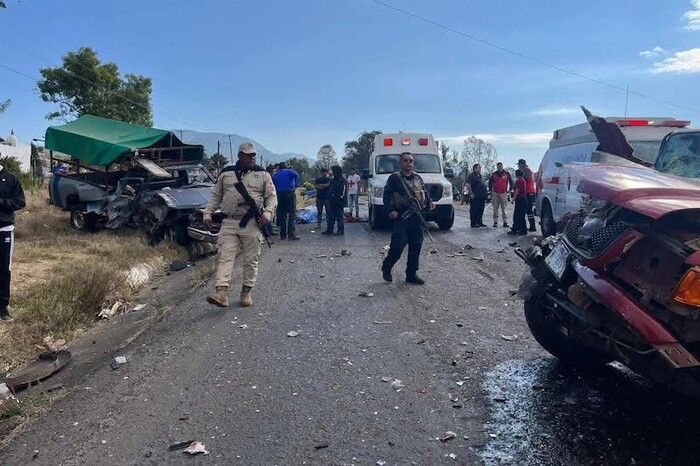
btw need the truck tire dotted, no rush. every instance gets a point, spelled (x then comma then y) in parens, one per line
(547, 224)
(375, 221)
(446, 223)
(548, 332)
(82, 221)
(177, 234)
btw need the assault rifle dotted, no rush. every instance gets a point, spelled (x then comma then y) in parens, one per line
(253, 211)
(415, 208)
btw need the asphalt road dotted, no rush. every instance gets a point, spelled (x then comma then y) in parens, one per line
(368, 380)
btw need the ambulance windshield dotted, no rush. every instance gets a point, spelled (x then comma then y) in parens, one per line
(422, 163)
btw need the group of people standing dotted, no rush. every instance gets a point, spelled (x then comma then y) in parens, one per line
(333, 193)
(501, 185)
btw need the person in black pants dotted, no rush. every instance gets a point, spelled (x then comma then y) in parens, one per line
(11, 199)
(402, 190)
(478, 192)
(286, 182)
(337, 198)
(322, 184)
(520, 200)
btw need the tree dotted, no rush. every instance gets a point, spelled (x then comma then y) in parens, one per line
(4, 106)
(357, 152)
(215, 163)
(84, 85)
(476, 150)
(326, 157)
(302, 166)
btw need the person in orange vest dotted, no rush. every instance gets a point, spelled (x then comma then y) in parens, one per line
(530, 191)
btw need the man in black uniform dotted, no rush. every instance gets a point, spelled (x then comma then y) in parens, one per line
(399, 193)
(11, 199)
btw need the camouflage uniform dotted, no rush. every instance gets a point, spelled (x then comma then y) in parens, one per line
(235, 239)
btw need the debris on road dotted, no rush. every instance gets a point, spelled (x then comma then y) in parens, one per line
(449, 435)
(501, 251)
(180, 445)
(120, 360)
(383, 322)
(500, 399)
(513, 243)
(510, 337)
(117, 362)
(293, 334)
(176, 266)
(321, 256)
(345, 252)
(479, 258)
(386, 379)
(466, 247)
(243, 326)
(433, 251)
(53, 345)
(452, 456)
(321, 446)
(366, 294)
(46, 365)
(197, 448)
(138, 307)
(512, 292)
(118, 307)
(7, 400)
(397, 384)
(460, 383)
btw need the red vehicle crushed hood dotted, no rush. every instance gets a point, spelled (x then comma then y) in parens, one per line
(638, 188)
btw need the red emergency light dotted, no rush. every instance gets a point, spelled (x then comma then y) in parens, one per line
(406, 141)
(423, 141)
(388, 142)
(637, 122)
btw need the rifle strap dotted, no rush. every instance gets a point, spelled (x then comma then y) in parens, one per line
(250, 214)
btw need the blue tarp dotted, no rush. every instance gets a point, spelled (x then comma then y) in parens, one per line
(308, 215)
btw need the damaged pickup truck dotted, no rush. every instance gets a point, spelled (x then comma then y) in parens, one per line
(116, 175)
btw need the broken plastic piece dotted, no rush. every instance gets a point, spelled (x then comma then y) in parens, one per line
(197, 448)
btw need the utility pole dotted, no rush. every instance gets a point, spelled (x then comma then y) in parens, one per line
(230, 147)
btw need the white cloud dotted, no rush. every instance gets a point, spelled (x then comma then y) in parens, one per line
(685, 62)
(537, 139)
(655, 52)
(693, 16)
(557, 111)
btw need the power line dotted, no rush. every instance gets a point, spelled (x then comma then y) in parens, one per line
(527, 57)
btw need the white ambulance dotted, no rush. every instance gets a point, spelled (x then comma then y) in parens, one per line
(556, 181)
(384, 161)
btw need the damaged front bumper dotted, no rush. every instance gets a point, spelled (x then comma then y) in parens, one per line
(200, 234)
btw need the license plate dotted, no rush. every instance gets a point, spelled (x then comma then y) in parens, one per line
(558, 260)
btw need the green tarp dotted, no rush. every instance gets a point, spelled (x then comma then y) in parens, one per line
(100, 141)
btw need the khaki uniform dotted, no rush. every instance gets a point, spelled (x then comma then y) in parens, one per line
(234, 240)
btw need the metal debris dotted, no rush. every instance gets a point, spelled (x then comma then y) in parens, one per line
(397, 384)
(293, 333)
(180, 445)
(480, 258)
(386, 379)
(449, 435)
(366, 294)
(383, 322)
(197, 448)
(510, 337)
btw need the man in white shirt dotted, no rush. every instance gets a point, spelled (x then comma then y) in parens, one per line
(353, 189)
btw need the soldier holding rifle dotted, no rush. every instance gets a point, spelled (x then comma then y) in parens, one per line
(404, 197)
(242, 228)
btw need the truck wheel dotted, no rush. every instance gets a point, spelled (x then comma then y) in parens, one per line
(374, 222)
(547, 225)
(548, 331)
(82, 221)
(446, 223)
(177, 234)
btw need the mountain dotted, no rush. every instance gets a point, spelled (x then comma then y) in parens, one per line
(210, 140)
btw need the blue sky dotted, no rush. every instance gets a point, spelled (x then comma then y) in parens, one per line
(295, 75)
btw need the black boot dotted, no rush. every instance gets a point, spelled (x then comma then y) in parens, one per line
(415, 279)
(386, 275)
(532, 224)
(5, 315)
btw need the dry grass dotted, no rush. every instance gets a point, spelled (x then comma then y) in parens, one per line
(61, 278)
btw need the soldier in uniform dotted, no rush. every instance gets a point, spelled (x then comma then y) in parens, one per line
(400, 189)
(235, 238)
